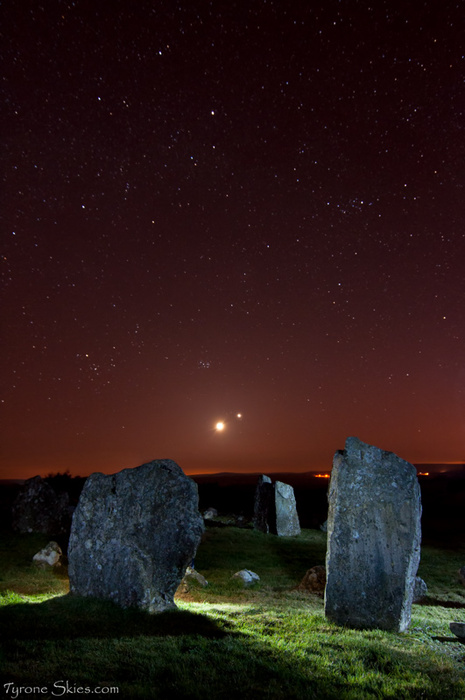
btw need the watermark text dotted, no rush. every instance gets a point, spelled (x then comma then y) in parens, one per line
(57, 690)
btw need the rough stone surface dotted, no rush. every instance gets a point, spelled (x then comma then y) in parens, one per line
(264, 508)
(314, 581)
(38, 508)
(193, 575)
(134, 534)
(458, 628)
(461, 573)
(287, 520)
(420, 590)
(210, 514)
(373, 538)
(49, 556)
(275, 508)
(247, 577)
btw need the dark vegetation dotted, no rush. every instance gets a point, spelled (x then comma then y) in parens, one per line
(64, 482)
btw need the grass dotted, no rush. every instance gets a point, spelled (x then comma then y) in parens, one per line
(224, 641)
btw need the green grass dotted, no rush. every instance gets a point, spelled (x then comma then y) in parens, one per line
(224, 641)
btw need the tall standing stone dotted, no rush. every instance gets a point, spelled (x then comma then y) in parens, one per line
(133, 535)
(373, 538)
(275, 509)
(287, 520)
(264, 504)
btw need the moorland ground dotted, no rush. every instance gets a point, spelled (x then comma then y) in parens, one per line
(224, 641)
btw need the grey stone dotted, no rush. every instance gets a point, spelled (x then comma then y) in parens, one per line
(324, 526)
(49, 556)
(210, 514)
(193, 575)
(373, 538)
(38, 508)
(275, 508)
(247, 577)
(264, 507)
(134, 534)
(458, 628)
(287, 520)
(420, 590)
(192, 579)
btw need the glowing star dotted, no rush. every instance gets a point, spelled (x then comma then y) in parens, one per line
(219, 426)
(238, 415)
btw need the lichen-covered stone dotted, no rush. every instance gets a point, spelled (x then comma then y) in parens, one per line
(275, 508)
(49, 556)
(248, 577)
(287, 520)
(133, 535)
(420, 590)
(374, 538)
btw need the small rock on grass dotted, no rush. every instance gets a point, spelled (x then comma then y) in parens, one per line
(458, 628)
(247, 577)
(49, 556)
(314, 581)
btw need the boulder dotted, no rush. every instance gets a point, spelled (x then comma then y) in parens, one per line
(210, 514)
(247, 577)
(458, 628)
(314, 581)
(39, 508)
(193, 575)
(287, 520)
(420, 590)
(49, 556)
(373, 538)
(264, 508)
(324, 526)
(134, 534)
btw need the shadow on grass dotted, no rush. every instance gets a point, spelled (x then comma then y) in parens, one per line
(72, 617)
(454, 640)
(441, 603)
(297, 555)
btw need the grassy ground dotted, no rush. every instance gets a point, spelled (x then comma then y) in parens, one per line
(224, 641)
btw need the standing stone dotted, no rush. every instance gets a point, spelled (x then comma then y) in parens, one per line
(373, 538)
(38, 508)
(264, 508)
(133, 535)
(420, 590)
(287, 520)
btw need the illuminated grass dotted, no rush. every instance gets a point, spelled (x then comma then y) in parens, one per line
(228, 642)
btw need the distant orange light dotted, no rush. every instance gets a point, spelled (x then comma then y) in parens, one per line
(423, 473)
(322, 476)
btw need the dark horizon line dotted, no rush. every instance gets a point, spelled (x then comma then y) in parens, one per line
(433, 466)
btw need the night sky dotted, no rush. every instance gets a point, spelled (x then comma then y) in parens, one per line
(213, 208)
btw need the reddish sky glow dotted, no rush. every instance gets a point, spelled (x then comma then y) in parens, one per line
(213, 209)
